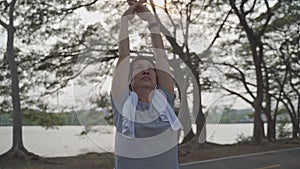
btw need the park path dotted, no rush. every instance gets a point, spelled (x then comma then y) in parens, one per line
(279, 159)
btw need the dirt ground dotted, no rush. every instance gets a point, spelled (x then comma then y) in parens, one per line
(187, 153)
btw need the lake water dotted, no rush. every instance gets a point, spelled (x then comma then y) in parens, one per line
(67, 141)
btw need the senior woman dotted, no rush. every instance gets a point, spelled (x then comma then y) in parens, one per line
(142, 97)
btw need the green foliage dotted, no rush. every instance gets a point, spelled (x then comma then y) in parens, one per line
(284, 130)
(103, 101)
(5, 119)
(228, 115)
(242, 139)
(285, 14)
(47, 120)
(44, 119)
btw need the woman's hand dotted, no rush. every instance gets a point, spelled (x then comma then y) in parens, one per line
(132, 2)
(141, 10)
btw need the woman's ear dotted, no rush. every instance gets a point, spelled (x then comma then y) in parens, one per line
(131, 85)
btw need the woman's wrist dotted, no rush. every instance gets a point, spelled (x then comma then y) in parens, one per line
(152, 20)
(123, 34)
(152, 25)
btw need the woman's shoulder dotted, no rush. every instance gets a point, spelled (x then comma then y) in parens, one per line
(169, 95)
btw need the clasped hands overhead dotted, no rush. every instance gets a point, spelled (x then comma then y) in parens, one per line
(138, 8)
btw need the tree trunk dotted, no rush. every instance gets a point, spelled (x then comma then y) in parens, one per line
(298, 111)
(295, 128)
(188, 137)
(183, 78)
(17, 116)
(254, 41)
(17, 149)
(289, 107)
(201, 127)
(200, 118)
(258, 133)
(184, 114)
(271, 129)
(293, 115)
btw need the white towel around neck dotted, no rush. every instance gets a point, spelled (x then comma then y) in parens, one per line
(160, 104)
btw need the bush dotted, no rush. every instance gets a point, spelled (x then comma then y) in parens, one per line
(283, 130)
(242, 139)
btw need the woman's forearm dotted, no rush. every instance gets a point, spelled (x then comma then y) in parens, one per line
(120, 78)
(163, 68)
(124, 47)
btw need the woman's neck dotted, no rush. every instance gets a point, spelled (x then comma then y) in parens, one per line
(144, 94)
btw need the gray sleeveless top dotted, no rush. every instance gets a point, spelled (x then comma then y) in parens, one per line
(167, 159)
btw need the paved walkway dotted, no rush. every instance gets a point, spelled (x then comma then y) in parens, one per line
(280, 159)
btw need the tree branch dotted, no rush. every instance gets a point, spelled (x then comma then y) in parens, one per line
(11, 12)
(243, 79)
(168, 14)
(238, 94)
(219, 30)
(3, 24)
(5, 3)
(242, 6)
(268, 18)
(65, 82)
(79, 6)
(251, 9)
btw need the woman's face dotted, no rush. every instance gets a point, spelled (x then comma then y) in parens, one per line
(144, 75)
